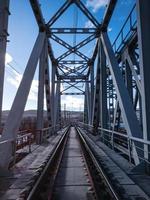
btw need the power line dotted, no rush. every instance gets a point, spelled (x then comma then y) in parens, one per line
(14, 68)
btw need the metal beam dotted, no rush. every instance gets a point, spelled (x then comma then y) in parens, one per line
(17, 109)
(108, 14)
(47, 91)
(88, 100)
(143, 17)
(41, 23)
(72, 31)
(4, 13)
(96, 103)
(40, 104)
(72, 49)
(73, 77)
(80, 81)
(72, 93)
(87, 13)
(91, 90)
(103, 88)
(53, 74)
(56, 109)
(128, 113)
(72, 62)
(62, 9)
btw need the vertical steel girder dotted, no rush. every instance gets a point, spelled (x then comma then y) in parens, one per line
(91, 90)
(40, 107)
(135, 75)
(53, 91)
(128, 79)
(88, 101)
(143, 16)
(128, 114)
(47, 90)
(103, 88)
(85, 109)
(57, 106)
(17, 109)
(4, 13)
(96, 103)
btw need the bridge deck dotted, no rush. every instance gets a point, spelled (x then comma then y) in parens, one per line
(119, 170)
(72, 181)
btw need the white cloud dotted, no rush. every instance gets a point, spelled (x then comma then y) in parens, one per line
(16, 82)
(72, 102)
(109, 29)
(8, 58)
(89, 24)
(96, 4)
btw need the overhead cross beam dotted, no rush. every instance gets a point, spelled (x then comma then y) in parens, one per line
(75, 70)
(59, 13)
(72, 85)
(72, 31)
(87, 13)
(72, 49)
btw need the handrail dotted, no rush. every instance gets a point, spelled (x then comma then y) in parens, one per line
(132, 25)
(120, 134)
(126, 141)
(14, 140)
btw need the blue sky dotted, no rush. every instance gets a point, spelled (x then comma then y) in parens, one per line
(23, 31)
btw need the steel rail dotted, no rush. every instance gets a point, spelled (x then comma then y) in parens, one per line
(46, 168)
(98, 167)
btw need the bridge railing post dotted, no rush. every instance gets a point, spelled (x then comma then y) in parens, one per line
(129, 149)
(13, 143)
(112, 140)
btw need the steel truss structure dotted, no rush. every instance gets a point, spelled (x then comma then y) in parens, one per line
(118, 99)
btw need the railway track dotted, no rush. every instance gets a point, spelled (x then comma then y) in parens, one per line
(72, 172)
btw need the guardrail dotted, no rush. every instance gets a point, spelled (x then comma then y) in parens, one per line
(18, 143)
(45, 133)
(122, 142)
(126, 31)
(26, 139)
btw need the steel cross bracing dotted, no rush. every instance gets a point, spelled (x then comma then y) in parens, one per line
(118, 98)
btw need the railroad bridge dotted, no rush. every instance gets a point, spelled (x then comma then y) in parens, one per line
(105, 154)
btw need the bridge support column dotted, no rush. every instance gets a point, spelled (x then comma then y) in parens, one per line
(53, 92)
(4, 13)
(85, 109)
(47, 90)
(17, 109)
(96, 104)
(57, 106)
(91, 91)
(143, 18)
(88, 100)
(41, 93)
(103, 88)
